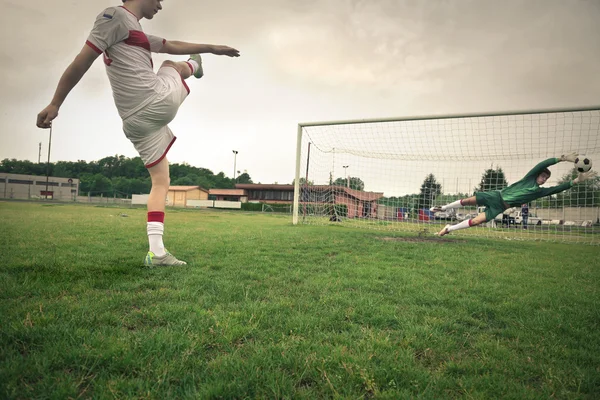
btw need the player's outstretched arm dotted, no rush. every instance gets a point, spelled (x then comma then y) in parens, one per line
(69, 79)
(176, 47)
(569, 157)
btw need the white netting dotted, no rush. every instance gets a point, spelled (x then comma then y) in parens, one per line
(387, 174)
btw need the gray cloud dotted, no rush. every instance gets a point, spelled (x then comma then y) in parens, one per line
(306, 60)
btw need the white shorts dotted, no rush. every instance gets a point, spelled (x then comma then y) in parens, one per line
(147, 129)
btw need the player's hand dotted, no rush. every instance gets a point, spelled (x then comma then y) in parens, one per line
(584, 176)
(225, 51)
(569, 157)
(45, 117)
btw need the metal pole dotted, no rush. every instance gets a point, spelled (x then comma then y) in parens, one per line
(450, 116)
(346, 175)
(235, 152)
(297, 176)
(48, 163)
(40, 153)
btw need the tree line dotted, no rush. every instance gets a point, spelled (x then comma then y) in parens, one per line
(121, 176)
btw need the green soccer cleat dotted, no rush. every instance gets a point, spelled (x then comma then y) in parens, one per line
(199, 73)
(168, 260)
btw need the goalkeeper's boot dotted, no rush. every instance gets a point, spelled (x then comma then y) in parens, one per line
(444, 231)
(168, 260)
(435, 209)
(200, 72)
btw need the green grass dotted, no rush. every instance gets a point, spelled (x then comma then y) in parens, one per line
(269, 310)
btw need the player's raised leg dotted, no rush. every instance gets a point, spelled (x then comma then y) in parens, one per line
(193, 66)
(479, 219)
(158, 255)
(470, 201)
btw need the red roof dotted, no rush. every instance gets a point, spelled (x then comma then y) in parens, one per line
(357, 194)
(186, 188)
(227, 192)
(259, 186)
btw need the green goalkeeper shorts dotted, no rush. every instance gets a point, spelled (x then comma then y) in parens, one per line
(493, 202)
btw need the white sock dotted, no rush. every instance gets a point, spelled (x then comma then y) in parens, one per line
(461, 225)
(194, 65)
(155, 238)
(456, 204)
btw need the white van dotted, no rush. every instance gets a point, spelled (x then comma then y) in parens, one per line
(532, 219)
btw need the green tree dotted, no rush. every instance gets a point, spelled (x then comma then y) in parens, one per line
(184, 181)
(429, 190)
(492, 179)
(303, 182)
(352, 181)
(244, 178)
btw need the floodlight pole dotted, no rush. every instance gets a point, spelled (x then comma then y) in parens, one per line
(235, 152)
(48, 163)
(346, 176)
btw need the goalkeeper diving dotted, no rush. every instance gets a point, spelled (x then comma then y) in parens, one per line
(521, 192)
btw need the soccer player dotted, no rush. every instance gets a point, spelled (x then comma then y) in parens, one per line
(523, 191)
(146, 101)
(525, 214)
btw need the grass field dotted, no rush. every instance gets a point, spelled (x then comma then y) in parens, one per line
(269, 310)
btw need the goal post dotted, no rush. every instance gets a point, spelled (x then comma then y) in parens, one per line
(386, 173)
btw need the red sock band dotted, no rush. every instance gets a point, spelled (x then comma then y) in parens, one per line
(461, 203)
(191, 68)
(156, 216)
(470, 222)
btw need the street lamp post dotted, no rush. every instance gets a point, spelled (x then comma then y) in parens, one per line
(346, 176)
(235, 152)
(48, 163)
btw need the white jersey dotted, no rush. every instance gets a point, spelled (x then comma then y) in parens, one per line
(127, 54)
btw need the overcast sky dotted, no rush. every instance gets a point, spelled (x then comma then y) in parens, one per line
(301, 61)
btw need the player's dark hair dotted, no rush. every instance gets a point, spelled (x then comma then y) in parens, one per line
(546, 171)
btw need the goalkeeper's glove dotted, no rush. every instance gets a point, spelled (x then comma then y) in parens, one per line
(584, 176)
(569, 157)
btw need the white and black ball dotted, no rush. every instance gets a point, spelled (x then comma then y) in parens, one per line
(583, 164)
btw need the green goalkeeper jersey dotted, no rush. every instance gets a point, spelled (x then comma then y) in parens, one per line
(527, 189)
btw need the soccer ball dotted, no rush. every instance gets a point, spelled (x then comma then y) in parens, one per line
(583, 164)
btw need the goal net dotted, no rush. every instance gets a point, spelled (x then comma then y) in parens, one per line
(387, 174)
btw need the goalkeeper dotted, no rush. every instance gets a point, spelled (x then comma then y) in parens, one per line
(523, 191)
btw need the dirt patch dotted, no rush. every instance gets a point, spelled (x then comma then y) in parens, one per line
(421, 239)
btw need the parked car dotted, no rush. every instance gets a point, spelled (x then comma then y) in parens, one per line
(449, 215)
(462, 217)
(533, 219)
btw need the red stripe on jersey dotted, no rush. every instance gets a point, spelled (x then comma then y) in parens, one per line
(138, 38)
(156, 216)
(185, 85)
(163, 156)
(93, 47)
(107, 59)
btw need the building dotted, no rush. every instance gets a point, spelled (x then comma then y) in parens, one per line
(228, 195)
(359, 203)
(179, 195)
(275, 194)
(17, 186)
